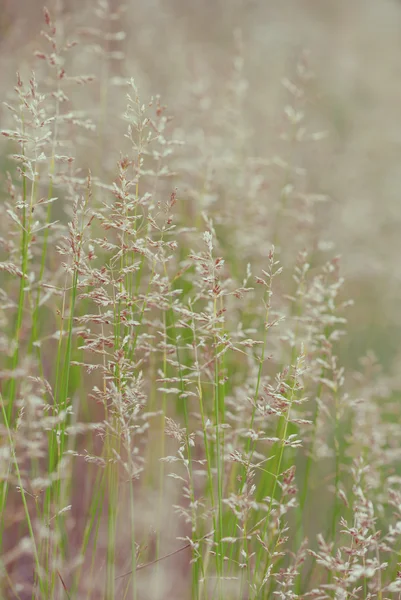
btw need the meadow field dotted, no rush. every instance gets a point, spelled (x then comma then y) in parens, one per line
(200, 277)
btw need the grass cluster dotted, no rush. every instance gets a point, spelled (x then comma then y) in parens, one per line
(175, 419)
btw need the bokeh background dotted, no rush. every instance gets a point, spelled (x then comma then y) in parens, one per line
(185, 52)
(221, 67)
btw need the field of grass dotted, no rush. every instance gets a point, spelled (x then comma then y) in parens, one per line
(199, 364)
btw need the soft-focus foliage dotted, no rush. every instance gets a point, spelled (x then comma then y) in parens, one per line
(192, 407)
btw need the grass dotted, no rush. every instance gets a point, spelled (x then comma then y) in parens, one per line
(176, 421)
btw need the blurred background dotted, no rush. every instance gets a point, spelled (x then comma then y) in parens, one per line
(329, 183)
(186, 52)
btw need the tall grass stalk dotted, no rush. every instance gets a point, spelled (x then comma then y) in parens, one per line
(169, 427)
